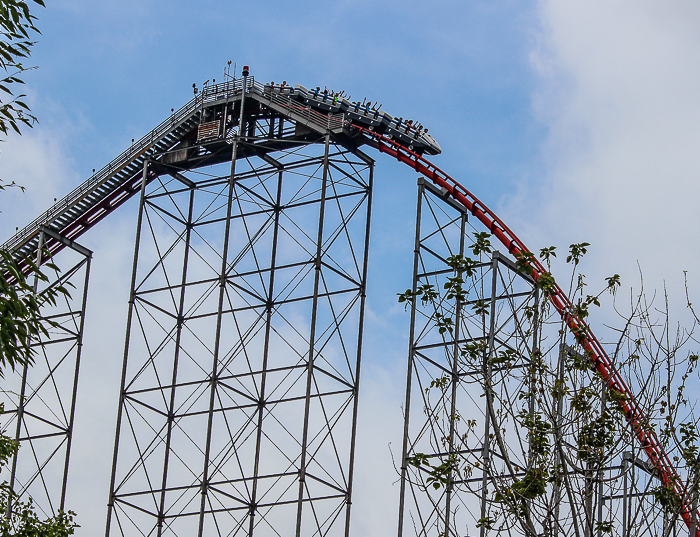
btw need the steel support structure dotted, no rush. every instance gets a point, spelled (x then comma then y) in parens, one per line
(447, 419)
(470, 383)
(39, 400)
(628, 499)
(238, 404)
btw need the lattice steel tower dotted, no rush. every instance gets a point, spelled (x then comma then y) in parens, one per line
(238, 404)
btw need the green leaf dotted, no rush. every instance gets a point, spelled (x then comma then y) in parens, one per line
(482, 243)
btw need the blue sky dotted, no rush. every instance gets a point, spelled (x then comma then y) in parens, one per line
(574, 120)
(118, 69)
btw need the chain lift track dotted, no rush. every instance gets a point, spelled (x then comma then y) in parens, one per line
(199, 134)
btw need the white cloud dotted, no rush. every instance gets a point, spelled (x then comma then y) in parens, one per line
(619, 86)
(38, 162)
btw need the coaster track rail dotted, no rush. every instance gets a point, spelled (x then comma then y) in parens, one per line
(634, 415)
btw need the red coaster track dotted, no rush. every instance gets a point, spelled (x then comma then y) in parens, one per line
(634, 415)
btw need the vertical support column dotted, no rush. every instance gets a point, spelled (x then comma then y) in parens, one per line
(633, 491)
(532, 380)
(213, 379)
(599, 473)
(269, 306)
(222, 289)
(409, 373)
(312, 338)
(129, 322)
(488, 355)
(625, 493)
(176, 359)
(74, 394)
(358, 358)
(557, 434)
(454, 382)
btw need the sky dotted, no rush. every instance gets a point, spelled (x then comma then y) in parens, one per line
(574, 120)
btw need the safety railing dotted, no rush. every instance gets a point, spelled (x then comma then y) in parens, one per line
(330, 121)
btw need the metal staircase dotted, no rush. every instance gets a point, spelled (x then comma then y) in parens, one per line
(107, 188)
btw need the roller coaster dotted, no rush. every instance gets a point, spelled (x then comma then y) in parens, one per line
(239, 392)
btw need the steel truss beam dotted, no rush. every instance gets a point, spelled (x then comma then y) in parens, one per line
(452, 461)
(39, 400)
(239, 390)
(446, 420)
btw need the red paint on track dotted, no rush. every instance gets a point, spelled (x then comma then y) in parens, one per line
(634, 415)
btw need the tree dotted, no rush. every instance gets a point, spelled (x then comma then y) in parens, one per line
(561, 458)
(19, 307)
(16, 28)
(19, 312)
(20, 304)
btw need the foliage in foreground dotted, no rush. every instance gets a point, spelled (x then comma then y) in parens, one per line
(16, 30)
(558, 437)
(20, 322)
(20, 326)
